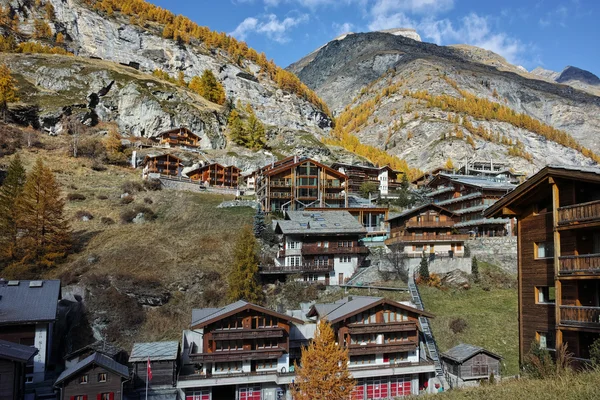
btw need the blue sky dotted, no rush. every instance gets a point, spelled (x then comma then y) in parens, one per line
(547, 33)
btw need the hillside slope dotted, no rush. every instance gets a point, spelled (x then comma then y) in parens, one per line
(350, 73)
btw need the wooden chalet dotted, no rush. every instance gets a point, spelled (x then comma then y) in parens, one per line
(178, 137)
(490, 169)
(28, 312)
(428, 229)
(236, 352)
(466, 363)
(164, 164)
(384, 342)
(296, 183)
(427, 177)
(94, 377)
(13, 363)
(373, 219)
(468, 197)
(216, 174)
(558, 213)
(320, 246)
(387, 179)
(164, 358)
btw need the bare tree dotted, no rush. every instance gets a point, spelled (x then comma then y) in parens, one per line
(397, 259)
(74, 128)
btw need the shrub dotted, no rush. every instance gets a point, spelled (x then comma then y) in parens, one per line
(128, 216)
(81, 214)
(458, 325)
(75, 197)
(127, 199)
(595, 353)
(107, 221)
(132, 187)
(98, 166)
(153, 185)
(148, 200)
(102, 197)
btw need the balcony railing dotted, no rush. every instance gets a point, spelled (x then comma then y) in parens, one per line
(429, 224)
(334, 250)
(279, 183)
(426, 239)
(237, 355)
(291, 269)
(406, 326)
(337, 196)
(580, 316)
(582, 264)
(280, 195)
(577, 213)
(276, 332)
(358, 349)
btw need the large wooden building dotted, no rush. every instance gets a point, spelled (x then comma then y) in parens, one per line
(178, 137)
(28, 312)
(558, 212)
(216, 174)
(319, 246)
(386, 179)
(468, 197)
(163, 164)
(426, 229)
(13, 361)
(296, 183)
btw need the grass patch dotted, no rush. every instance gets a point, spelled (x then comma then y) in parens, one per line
(490, 317)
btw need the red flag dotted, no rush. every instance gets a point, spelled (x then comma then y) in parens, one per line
(149, 370)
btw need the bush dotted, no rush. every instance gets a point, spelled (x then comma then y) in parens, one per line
(98, 166)
(102, 197)
(458, 325)
(153, 185)
(75, 197)
(132, 187)
(148, 200)
(107, 221)
(127, 199)
(128, 216)
(81, 214)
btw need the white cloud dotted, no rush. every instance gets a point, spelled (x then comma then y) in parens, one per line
(269, 25)
(386, 14)
(342, 28)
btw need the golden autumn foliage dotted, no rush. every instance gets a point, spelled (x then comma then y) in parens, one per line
(208, 87)
(323, 372)
(41, 29)
(9, 45)
(8, 89)
(184, 30)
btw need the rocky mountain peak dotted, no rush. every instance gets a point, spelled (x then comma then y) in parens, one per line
(406, 32)
(571, 73)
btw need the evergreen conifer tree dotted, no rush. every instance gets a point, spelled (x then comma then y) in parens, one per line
(259, 224)
(243, 280)
(10, 211)
(475, 269)
(424, 268)
(323, 372)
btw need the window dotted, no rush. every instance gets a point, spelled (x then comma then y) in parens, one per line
(228, 366)
(544, 249)
(83, 379)
(345, 259)
(544, 294)
(545, 340)
(107, 396)
(81, 397)
(102, 377)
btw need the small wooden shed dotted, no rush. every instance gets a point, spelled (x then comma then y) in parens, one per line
(466, 362)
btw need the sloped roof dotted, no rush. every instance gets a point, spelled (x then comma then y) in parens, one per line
(351, 305)
(462, 352)
(156, 351)
(28, 301)
(319, 222)
(414, 210)
(97, 359)
(184, 129)
(205, 316)
(16, 352)
(283, 167)
(100, 346)
(339, 164)
(479, 182)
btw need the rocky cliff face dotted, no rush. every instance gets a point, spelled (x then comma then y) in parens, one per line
(114, 39)
(353, 70)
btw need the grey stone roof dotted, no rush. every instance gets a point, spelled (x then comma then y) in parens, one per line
(593, 170)
(156, 351)
(347, 305)
(16, 352)
(100, 346)
(200, 315)
(320, 222)
(98, 359)
(479, 181)
(28, 301)
(462, 352)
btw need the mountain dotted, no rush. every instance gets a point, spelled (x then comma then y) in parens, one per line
(390, 92)
(572, 76)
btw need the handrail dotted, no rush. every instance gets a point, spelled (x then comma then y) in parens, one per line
(589, 203)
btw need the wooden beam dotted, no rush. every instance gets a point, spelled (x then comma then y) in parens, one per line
(557, 282)
(508, 211)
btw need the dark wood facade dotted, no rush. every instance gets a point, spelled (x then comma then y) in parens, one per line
(466, 362)
(558, 211)
(102, 384)
(13, 369)
(165, 164)
(360, 174)
(216, 175)
(178, 137)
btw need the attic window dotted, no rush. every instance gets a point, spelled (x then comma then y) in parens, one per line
(304, 224)
(36, 284)
(13, 283)
(336, 224)
(324, 225)
(319, 219)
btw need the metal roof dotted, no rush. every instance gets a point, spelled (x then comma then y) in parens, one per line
(413, 210)
(463, 352)
(321, 222)
(478, 181)
(156, 351)
(204, 315)
(98, 359)
(28, 301)
(16, 352)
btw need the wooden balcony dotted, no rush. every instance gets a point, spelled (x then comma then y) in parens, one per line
(334, 250)
(579, 213)
(280, 195)
(586, 264)
(280, 183)
(585, 317)
(335, 196)
(296, 269)
(238, 355)
(425, 239)
(397, 347)
(229, 334)
(429, 224)
(405, 326)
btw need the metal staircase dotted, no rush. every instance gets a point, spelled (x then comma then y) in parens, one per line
(432, 348)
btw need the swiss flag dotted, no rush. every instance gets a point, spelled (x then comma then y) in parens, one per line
(149, 370)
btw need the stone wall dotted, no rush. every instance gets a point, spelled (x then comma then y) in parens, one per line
(500, 251)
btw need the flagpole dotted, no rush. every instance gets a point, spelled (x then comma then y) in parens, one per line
(147, 376)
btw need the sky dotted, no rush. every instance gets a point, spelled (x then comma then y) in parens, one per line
(547, 33)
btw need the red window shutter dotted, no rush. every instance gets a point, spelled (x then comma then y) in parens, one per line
(111, 396)
(99, 396)
(85, 397)
(72, 397)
